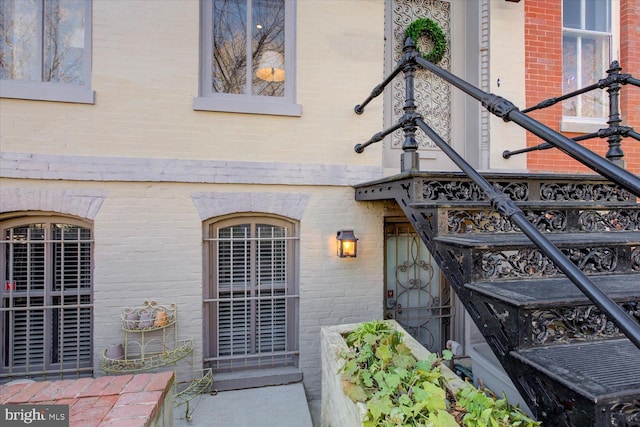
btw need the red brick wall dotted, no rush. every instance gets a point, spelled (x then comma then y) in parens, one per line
(630, 62)
(543, 68)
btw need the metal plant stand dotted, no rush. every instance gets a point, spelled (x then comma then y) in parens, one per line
(150, 342)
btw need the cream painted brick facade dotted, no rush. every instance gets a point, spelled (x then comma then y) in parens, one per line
(145, 75)
(149, 247)
(146, 169)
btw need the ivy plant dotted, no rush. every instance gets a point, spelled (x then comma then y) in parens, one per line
(399, 390)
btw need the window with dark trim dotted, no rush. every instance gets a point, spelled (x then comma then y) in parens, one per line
(45, 50)
(251, 294)
(247, 62)
(46, 299)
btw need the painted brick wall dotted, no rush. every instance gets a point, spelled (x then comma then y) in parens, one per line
(543, 59)
(148, 245)
(145, 74)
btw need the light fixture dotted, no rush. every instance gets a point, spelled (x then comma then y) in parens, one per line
(347, 244)
(271, 66)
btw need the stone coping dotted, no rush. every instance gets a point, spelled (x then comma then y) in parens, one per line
(111, 401)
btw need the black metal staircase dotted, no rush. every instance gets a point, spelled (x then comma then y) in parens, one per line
(547, 265)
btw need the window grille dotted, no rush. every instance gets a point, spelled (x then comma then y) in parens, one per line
(251, 298)
(46, 301)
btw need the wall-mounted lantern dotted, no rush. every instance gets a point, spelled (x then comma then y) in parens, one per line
(347, 244)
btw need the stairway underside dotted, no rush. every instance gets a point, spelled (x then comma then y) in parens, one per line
(570, 363)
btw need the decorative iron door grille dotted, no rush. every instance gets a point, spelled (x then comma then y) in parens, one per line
(416, 294)
(251, 304)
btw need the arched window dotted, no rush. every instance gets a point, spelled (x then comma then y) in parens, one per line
(46, 298)
(251, 293)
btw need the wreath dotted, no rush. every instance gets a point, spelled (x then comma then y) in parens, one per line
(430, 28)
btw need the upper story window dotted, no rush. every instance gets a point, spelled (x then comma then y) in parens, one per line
(45, 50)
(587, 40)
(247, 57)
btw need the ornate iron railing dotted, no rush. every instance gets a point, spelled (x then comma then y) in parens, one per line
(614, 133)
(503, 108)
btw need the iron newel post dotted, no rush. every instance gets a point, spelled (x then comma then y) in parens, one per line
(410, 158)
(615, 153)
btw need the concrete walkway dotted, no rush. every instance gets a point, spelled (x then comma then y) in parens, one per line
(275, 406)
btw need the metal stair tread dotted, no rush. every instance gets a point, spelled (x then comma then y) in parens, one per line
(497, 240)
(597, 370)
(538, 292)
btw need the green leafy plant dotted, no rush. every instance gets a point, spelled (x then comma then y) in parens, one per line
(399, 390)
(431, 29)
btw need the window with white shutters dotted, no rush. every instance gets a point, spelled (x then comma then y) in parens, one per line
(251, 295)
(46, 299)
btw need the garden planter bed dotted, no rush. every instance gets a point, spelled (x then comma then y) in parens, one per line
(376, 374)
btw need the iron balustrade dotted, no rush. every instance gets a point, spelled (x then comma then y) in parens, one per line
(614, 133)
(506, 110)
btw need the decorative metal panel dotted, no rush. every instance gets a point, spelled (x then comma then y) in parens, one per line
(491, 221)
(587, 192)
(565, 324)
(532, 263)
(467, 191)
(433, 95)
(612, 220)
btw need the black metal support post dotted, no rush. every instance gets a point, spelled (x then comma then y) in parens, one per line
(503, 204)
(508, 153)
(359, 148)
(615, 153)
(410, 158)
(377, 91)
(602, 133)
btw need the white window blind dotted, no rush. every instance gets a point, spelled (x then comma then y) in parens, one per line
(46, 319)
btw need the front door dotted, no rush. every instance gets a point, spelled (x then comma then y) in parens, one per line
(416, 294)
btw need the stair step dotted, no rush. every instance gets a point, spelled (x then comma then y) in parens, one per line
(515, 240)
(530, 293)
(597, 370)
